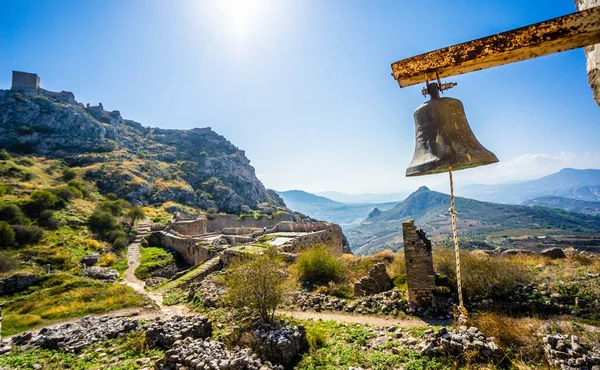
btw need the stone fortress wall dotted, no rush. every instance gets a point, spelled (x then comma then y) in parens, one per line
(25, 81)
(420, 276)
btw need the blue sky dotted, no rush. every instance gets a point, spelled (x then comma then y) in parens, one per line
(304, 87)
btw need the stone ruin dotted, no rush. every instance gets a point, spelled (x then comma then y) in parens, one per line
(25, 81)
(376, 281)
(420, 276)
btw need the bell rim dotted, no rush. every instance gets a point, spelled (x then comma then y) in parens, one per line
(432, 168)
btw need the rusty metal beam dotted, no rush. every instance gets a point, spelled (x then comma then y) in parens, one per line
(552, 36)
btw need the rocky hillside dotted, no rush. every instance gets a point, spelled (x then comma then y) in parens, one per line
(475, 220)
(144, 165)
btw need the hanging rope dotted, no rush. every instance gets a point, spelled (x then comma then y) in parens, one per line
(463, 311)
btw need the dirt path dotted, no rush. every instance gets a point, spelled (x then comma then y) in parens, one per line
(361, 319)
(133, 259)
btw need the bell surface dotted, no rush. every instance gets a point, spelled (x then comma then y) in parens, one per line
(444, 139)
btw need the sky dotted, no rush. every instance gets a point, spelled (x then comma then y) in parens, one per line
(305, 86)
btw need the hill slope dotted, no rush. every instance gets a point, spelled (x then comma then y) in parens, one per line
(144, 165)
(475, 219)
(568, 182)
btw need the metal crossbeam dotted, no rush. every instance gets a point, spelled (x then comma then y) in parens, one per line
(552, 36)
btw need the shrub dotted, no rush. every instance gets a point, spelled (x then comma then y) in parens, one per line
(102, 222)
(107, 259)
(68, 174)
(48, 221)
(7, 235)
(318, 266)
(25, 235)
(120, 242)
(115, 234)
(7, 262)
(257, 285)
(4, 156)
(114, 207)
(12, 214)
(25, 162)
(67, 193)
(501, 274)
(81, 186)
(211, 211)
(41, 200)
(5, 189)
(93, 244)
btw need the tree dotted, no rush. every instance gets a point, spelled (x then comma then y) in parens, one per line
(135, 213)
(257, 285)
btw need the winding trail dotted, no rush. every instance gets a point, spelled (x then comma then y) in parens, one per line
(133, 262)
(362, 319)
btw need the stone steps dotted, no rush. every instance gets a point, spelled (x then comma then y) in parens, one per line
(196, 274)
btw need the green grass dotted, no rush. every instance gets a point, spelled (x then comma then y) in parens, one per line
(62, 296)
(153, 258)
(338, 346)
(127, 349)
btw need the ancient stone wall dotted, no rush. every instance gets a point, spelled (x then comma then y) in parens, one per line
(419, 266)
(16, 283)
(332, 237)
(303, 227)
(189, 227)
(592, 54)
(25, 81)
(376, 281)
(189, 249)
(219, 222)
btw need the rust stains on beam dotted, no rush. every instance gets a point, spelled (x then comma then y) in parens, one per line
(552, 36)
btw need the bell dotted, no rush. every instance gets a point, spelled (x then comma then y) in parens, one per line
(444, 138)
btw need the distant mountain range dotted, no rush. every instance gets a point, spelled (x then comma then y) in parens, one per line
(363, 198)
(568, 204)
(476, 219)
(567, 183)
(326, 209)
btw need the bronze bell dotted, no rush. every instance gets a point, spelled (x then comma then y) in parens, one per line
(444, 138)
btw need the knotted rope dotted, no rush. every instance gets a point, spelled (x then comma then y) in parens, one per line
(463, 311)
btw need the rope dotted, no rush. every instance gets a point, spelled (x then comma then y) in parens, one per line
(462, 309)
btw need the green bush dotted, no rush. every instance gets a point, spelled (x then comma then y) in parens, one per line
(41, 200)
(114, 234)
(48, 221)
(114, 207)
(12, 214)
(67, 193)
(7, 235)
(81, 186)
(5, 189)
(102, 222)
(25, 235)
(318, 266)
(4, 156)
(68, 174)
(120, 242)
(25, 162)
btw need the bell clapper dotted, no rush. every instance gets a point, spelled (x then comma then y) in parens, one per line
(463, 311)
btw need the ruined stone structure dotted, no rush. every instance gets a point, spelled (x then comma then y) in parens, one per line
(419, 265)
(592, 53)
(25, 81)
(376, 281)
(216, 223)
(185, 225)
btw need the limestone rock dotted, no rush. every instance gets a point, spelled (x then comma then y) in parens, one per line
(553, 253)
(101, 273)
(377, 281)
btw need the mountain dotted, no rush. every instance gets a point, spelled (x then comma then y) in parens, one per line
(568, 182)
(363, 198)
(325, 209)
(476, 220)
(568, 204)
(144, 165)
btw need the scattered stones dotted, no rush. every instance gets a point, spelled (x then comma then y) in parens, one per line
(164, 333)
(553, 253)
(207, 293)
(455, 342)
(567, 353)
(281, 345)
(101, 273)
(74, 337)
(376, 281)
(205, 354)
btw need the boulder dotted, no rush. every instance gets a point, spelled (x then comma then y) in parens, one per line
(90, 259)
(101, 273)
(17, 283)
(553, 253)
